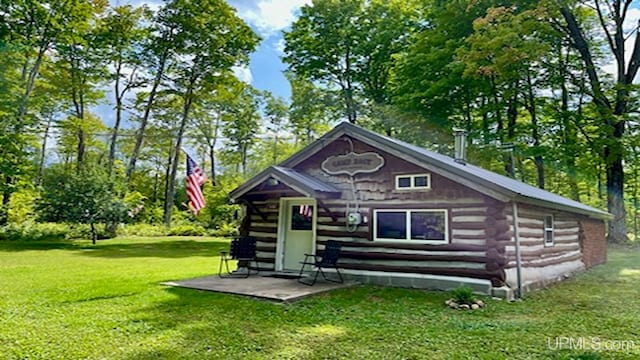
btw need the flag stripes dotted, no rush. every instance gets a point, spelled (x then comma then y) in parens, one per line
(195, 179)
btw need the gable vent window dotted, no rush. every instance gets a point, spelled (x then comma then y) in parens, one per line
(413, 182)
(548, 230)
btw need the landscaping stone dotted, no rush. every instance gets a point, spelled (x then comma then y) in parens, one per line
(475, 307)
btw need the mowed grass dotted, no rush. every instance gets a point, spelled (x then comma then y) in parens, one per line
(72, 300)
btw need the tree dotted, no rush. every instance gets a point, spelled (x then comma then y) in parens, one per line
(241, 126)
(612, 100)
(120, 36)
(311, 109)
(208, 116)
(276, 112)
(210, 40)
(81, 70)
(28, 31)
(321, 46)
(84, 197)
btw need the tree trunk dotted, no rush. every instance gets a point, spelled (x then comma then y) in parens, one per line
(569, 137)
(212, 160)
(188, 99)
(94, 234)
(147, 112)
(43, 149)
(116, 126)
(531, 107)
(613, 122)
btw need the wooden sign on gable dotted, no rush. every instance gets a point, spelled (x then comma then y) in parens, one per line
(352, 163)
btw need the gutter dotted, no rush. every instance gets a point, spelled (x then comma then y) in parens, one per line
(516, 235)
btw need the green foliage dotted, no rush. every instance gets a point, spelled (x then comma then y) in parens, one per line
(143, 229)
(35, 232)
(85, 197)
(187, 230)
(22, 206)
(463, 295)
(219, 214)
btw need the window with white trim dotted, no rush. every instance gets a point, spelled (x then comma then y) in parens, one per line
(548, 230)
(429, 226)
(413, 182)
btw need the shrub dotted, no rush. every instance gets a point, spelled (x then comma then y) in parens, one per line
(463, 295)
(143, 230)
(225, 230)
(187, 230)
(34, 231)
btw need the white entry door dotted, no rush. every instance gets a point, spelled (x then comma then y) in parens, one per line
(297, 231)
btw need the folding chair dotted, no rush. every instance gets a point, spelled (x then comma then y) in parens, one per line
(242, 249)
(329, 259)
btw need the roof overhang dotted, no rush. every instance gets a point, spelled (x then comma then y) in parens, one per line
(301, 183)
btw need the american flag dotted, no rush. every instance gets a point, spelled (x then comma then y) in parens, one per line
(306, 211)
(195, 179)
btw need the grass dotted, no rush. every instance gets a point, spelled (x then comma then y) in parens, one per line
(73, 300)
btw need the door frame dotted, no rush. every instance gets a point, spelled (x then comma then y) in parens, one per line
(285, 204)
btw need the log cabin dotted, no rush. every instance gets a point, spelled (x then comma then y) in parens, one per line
(410, 217)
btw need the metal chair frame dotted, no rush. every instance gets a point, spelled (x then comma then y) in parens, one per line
(329, 259)
(242, 248)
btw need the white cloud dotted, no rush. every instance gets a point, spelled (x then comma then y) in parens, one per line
(243, 73)
(279, 46)
(271, 16)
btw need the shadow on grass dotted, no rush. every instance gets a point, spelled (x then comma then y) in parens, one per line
(16, 245)
(121, 249)
(223, 326)
(164, 249)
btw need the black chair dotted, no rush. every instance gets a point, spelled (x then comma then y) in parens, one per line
(329, 259)
(242, 249)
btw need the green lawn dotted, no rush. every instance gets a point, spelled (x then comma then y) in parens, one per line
(73, 300)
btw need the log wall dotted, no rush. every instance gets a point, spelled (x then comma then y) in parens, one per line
(542, 263)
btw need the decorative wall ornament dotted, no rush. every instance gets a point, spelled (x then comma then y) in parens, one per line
(353, 163)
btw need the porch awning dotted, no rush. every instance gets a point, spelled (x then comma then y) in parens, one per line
(300, 182)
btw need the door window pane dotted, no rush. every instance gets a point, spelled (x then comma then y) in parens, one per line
(302, 217)
(391, 225)
(428, 225)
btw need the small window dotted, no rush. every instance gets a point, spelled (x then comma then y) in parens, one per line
(422, 226)
(411, 182)
(548, 230)
(404, 182)
(302, 217)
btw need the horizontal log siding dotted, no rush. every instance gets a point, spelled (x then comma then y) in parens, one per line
(534, 252)
(264, 227)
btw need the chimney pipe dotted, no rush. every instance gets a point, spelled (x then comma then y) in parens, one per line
(460, 145)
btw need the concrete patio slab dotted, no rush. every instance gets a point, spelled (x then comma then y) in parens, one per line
(264, 287)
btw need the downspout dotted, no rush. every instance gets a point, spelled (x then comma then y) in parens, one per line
(516, 235)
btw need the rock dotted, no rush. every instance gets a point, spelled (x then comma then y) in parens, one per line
(475, 307)
(453, 305)
(465, 307)
(480, 303)
(448, 302)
